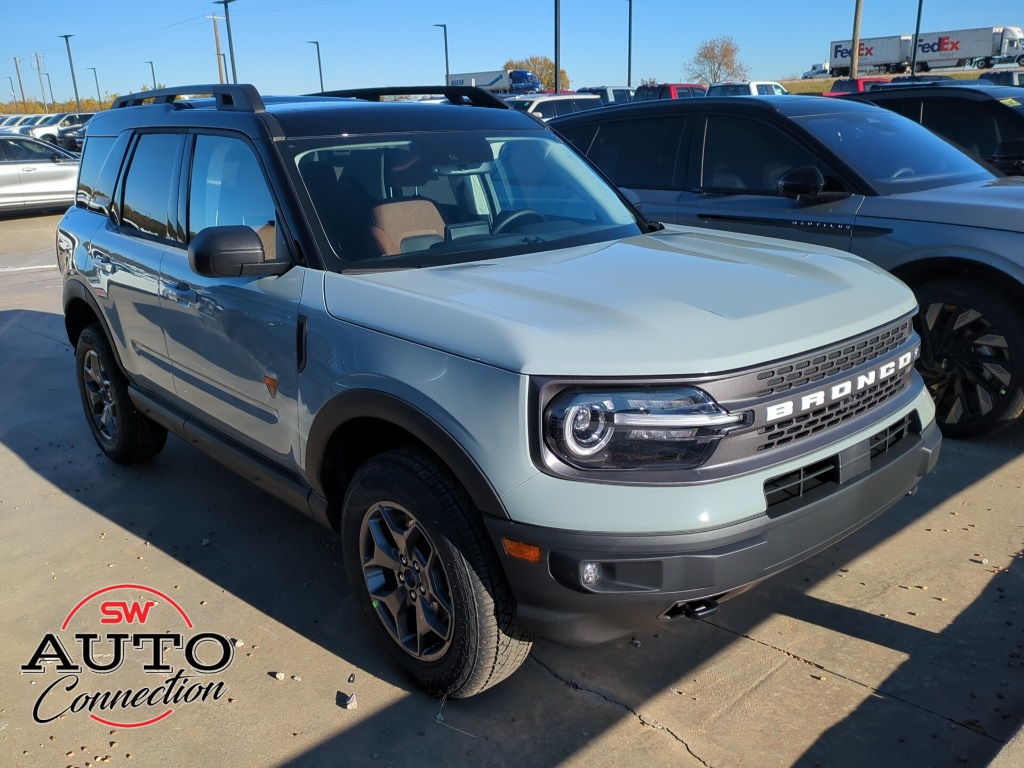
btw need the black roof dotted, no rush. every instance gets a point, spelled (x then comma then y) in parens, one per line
(789, 106)
(242, 107)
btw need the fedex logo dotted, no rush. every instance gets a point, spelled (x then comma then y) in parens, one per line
(940, 44)
(842, 51)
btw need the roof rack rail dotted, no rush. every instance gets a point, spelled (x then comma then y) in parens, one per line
(456, 94)
(231, 97)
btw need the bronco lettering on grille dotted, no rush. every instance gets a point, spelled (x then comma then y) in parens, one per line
(842, 389)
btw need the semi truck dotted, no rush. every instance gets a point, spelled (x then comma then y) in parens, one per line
(500, 81)
(980, 47)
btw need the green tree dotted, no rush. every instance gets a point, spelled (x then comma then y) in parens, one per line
(716, 60)
(542, 67)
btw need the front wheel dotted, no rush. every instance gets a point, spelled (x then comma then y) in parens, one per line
(426, 578)
(123, 433)
(972, 356)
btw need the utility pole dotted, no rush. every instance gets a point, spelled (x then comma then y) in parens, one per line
(50, 83)
(855, 43)
(39, 71)
(152, 71)
(14, 96)
(74, 80)
(231, 44)
(216, 39)
(21, 86)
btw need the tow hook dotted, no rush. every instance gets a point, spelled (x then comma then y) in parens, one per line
(700, 609)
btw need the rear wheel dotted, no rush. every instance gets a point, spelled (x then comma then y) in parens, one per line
(123, 433)
(426, 578)
(972, 356)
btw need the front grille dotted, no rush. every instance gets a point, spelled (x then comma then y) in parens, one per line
(831, 361)
(830, 415)
(806, 484)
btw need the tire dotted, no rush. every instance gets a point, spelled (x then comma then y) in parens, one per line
(972, 356)
(123, 433)
(426, 578)
(1020, 60)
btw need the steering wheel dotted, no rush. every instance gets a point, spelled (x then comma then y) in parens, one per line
(905, 171)
(506, 219)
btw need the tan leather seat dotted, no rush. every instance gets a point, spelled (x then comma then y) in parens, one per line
(403, 226)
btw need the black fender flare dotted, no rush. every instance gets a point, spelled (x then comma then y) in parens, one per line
(374, 404)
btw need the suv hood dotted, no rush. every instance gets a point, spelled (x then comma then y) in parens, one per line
(679, 302)
(993, 204)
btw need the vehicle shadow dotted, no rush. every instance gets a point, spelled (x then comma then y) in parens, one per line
(564, 704)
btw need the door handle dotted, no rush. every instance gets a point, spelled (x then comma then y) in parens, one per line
(103, 262)
(181, 292)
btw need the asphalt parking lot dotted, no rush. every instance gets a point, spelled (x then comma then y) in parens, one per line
(904, 645)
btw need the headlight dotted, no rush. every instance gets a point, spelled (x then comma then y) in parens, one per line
(656, 428)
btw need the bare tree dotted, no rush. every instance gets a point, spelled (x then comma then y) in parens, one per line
(542, 67)
(716, 60)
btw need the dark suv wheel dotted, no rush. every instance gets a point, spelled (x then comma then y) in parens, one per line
(972, 356)
(122, 433)
(426, 578)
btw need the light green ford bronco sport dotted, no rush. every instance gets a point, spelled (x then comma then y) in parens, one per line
(435, 328)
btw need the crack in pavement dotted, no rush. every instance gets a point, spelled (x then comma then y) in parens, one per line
(643, 720)
(841, 676)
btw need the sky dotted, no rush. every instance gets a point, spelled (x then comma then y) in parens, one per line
(394, 42)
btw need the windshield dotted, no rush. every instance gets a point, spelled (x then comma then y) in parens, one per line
(400, 200)
(892, 153)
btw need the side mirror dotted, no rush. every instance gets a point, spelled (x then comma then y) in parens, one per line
(1009, 156)
(231, 251)
(806, 180)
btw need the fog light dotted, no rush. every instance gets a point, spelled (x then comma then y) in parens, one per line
(590, 573)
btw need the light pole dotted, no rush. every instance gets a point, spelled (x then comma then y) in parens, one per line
(917, 35)
(99, 99)
(152, 71)
(74, 80)
(444, 28)
(629, 54)
(231, 44)
(319, 66)
(558, 45)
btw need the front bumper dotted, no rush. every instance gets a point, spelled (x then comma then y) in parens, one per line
(646, 579)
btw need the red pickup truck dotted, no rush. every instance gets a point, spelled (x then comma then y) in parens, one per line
(853, 85)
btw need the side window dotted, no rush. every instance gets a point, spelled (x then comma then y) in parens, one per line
(748, 156)
(27, 151)
(93, 154)
(576, 135)
(227, 186)
(972, 126)
(639, 153)
(149, 185)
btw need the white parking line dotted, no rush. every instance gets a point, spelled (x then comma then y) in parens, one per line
(28, 269)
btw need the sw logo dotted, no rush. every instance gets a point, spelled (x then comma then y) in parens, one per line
(70, 654)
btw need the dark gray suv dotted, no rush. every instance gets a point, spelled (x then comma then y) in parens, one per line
(436, 329)
(852, 176)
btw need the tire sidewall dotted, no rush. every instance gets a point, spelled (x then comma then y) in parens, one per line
(377, 482)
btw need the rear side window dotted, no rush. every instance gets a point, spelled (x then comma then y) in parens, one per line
(639, 153)
(149, 185)
(94, 153)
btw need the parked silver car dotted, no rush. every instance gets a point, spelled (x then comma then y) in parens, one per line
(35, 174)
